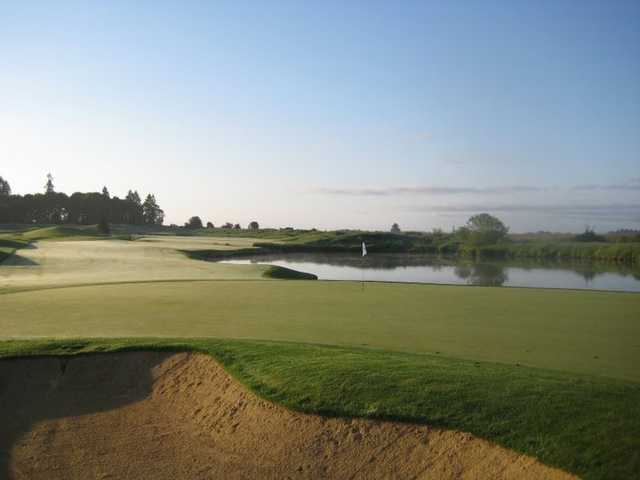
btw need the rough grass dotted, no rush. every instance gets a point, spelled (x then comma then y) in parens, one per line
(586, 425)
(628, 253)
(60, 232)
(575, 331)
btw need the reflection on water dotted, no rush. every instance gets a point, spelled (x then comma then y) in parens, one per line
(433, 269)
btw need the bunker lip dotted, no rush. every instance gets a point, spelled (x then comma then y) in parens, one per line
(180, 415)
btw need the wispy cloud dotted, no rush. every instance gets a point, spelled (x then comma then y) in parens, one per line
(426, 190)
(618, 212)
(632, 185)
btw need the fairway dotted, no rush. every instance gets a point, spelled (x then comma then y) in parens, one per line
(583, 332)
(77, 262)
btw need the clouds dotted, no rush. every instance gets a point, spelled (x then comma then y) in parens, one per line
(528, 207)
(631, 185)
(614, 211)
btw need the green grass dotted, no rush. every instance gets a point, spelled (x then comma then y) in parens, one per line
(284, 273)
(574, 331)
(547, 372)
(586, 425)
(6, 252)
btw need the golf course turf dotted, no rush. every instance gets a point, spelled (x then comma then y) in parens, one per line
(549, 373)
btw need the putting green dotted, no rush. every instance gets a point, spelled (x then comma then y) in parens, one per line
(585, 332)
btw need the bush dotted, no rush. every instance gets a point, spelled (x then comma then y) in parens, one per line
(484, 229)
(194, 223)
(589, 235)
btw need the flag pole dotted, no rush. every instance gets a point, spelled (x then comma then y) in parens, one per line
(364, 254)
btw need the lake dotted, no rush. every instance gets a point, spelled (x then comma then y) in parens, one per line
(433, 269)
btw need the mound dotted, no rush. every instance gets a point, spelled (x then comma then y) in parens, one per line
(180, 415)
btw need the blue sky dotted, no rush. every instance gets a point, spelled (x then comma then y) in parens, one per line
(331, 114)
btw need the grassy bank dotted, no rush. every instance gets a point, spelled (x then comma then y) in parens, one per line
(586, 425)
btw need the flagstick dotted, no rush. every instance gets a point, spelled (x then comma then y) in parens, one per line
(364, 254)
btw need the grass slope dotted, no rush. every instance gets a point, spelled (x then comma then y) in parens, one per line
(586, 425)
(575, 331)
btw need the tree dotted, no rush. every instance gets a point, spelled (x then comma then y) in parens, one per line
(210, 225)
(228, 225)
(5, 188)
(133, 197)
(151, 211)
(134, 214)
(395, 228)
(484, 229)
(105, 192)
(254, 226)
(589, 235)
(237, 227)
(194, 222)
(49, 188)
(103, 226)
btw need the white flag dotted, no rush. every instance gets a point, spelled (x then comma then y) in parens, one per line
(364, 249)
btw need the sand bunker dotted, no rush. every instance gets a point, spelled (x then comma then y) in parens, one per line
(180, 416)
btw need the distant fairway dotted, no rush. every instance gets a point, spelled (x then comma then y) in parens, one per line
(586, 332)
(78, 262)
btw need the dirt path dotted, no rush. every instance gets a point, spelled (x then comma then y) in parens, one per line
(173, 416)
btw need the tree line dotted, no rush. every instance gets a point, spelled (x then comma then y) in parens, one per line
(88, 208)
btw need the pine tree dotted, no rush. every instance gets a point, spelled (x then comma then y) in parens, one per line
(151, 211)
(105, 192)
(49, 188)
(5, 188)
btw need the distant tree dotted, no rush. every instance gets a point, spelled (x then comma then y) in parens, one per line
(237, 227)
(194, 222)
(210, 225)
(589, 235)
(133, 197)
(133, 213)
(103, 226)
(151, 211)
(254, 226)
(395, 228)
(485, 229)
(49, 188)
(105, 192)
(228, 225)
(5, 188)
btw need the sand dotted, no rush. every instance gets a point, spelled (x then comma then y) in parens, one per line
(141, 415)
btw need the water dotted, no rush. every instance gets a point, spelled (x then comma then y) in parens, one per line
(431, 269)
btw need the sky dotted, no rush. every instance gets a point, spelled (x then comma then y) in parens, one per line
(331, 114)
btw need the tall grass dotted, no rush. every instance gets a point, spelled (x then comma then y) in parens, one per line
(628, 253)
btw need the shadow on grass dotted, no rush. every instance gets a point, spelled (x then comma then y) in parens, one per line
(16, 260)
